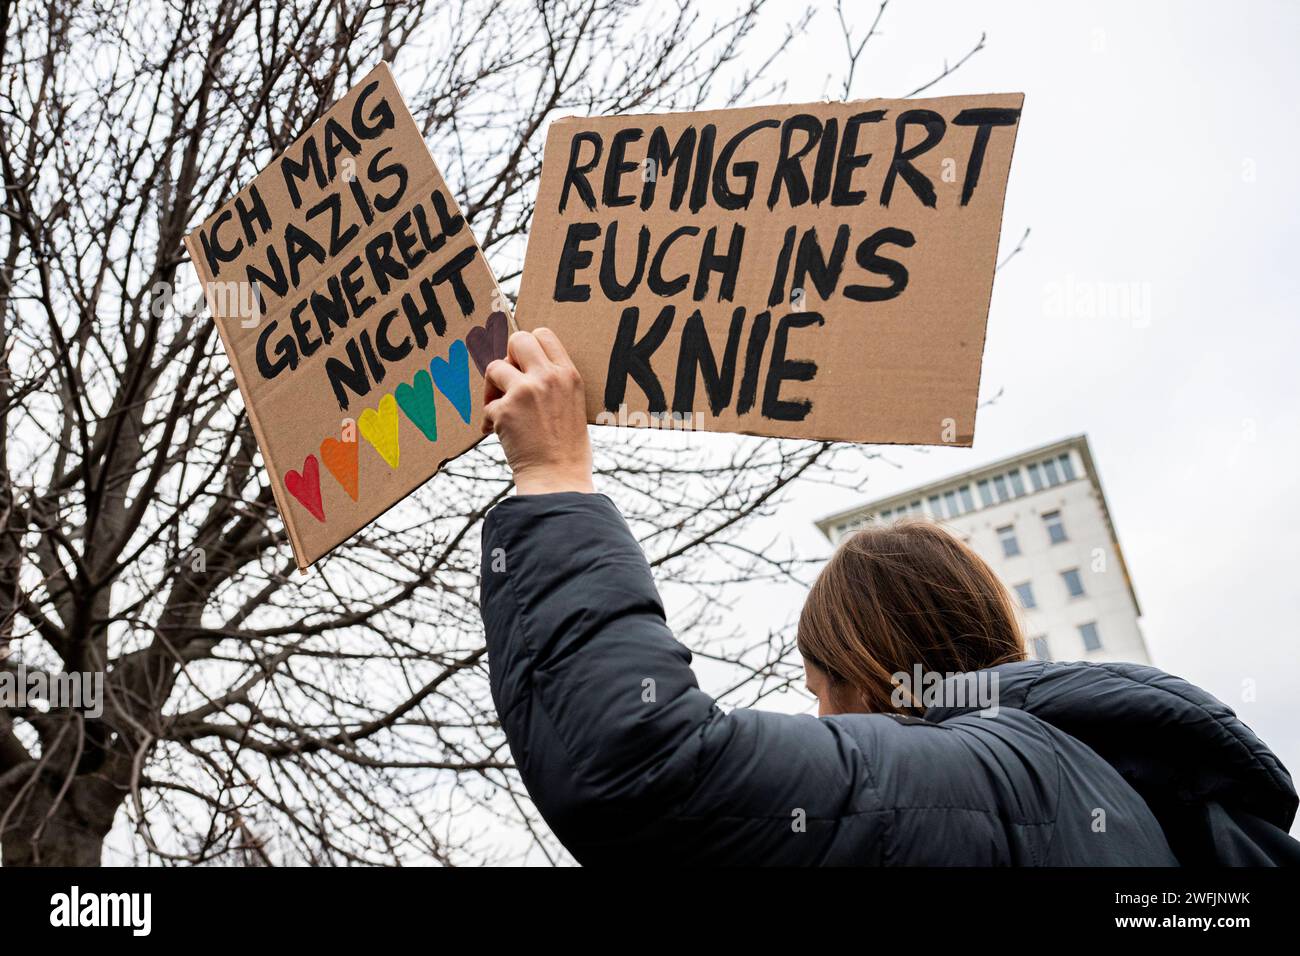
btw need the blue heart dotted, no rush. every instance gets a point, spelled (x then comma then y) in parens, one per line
(416, 400)
(451, 375)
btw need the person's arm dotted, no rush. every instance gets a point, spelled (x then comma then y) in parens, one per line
(623, 754)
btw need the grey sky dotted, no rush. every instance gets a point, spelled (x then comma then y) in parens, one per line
(1157, 154)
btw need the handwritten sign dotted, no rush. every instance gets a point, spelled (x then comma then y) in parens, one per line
(358, 313)
(819, 271)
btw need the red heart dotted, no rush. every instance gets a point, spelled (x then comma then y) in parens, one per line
(305, 486)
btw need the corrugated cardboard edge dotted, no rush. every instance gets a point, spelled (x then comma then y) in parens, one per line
(574, 117)
(286, 515)
(997, 249)
(546, 145)
(501, 297)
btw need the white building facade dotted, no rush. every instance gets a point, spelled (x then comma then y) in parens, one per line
(1041, 521)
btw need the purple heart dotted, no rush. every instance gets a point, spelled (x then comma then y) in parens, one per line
(488, 341)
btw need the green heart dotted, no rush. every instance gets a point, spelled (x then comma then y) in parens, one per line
(416, 400)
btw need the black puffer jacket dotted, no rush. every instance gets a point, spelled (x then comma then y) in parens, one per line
(1111, 764)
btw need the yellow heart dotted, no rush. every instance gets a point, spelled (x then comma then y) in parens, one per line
(380, 429)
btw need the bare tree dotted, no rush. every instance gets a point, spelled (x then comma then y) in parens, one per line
(252, 715)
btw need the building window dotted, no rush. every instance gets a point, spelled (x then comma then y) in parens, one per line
(1017, 485)
(1091, 639)
(1073, 583)
(967, 502)
(950, 502)
(1067, 467)
(936, 508)
(1055, 529)
(986, 496)
(1049, 469)
(1035, 478)
(1000, 487)
(1026, 594)
(1010, 546)
(915, 508)
(1041, 650)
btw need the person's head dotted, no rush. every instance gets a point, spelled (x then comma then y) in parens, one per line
(892, 598)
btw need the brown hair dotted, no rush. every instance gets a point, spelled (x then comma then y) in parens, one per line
(893, 597)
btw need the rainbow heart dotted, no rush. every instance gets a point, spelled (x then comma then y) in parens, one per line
(305, 486)
(451, 375)
(416, 400)
(380, 429)
(340, 458)
(488, 341)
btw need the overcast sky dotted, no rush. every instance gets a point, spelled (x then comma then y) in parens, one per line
(1158, 152)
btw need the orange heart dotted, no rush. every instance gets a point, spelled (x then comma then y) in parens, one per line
(340, 458)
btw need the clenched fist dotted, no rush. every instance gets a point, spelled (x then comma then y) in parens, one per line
(533, 400)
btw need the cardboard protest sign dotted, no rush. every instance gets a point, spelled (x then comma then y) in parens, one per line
(819, 271)
(358, 313)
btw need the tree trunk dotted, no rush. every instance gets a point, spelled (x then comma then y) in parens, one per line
(46, 831)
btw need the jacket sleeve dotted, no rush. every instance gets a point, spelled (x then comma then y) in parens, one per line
(621, 751)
